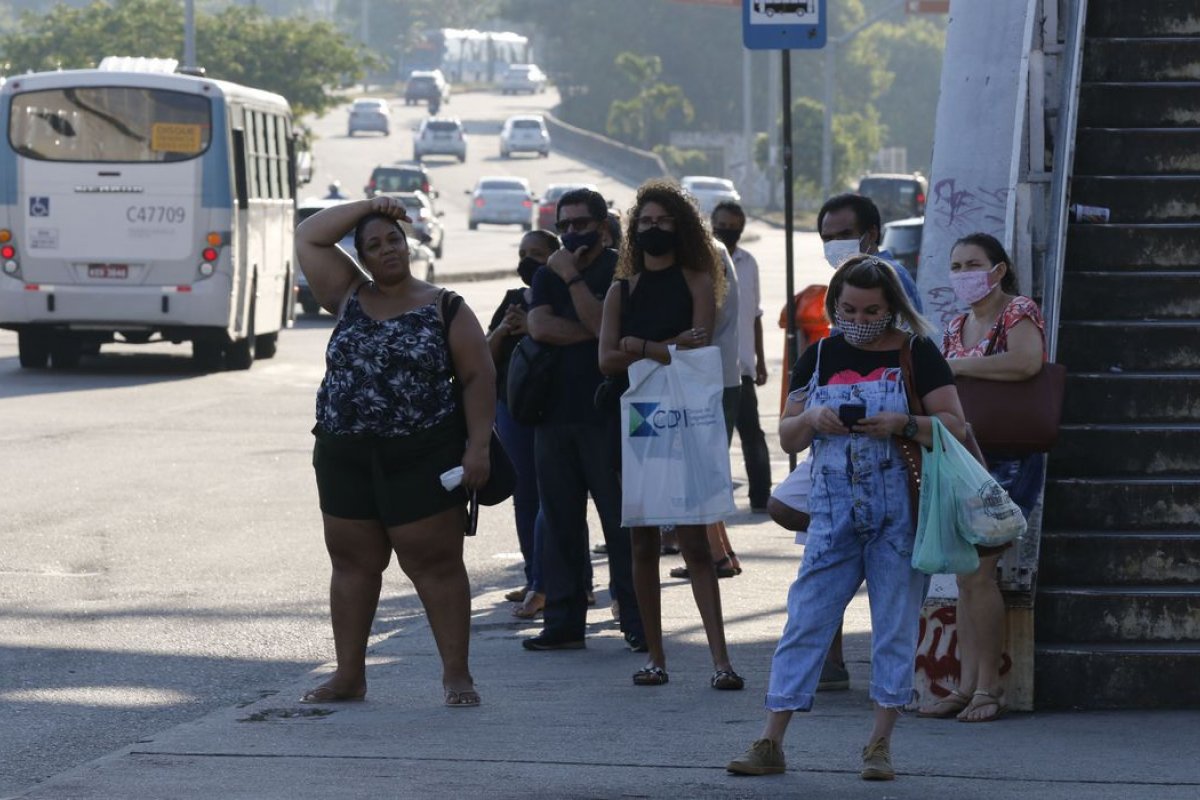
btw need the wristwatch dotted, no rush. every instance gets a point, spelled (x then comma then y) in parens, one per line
(910, 428)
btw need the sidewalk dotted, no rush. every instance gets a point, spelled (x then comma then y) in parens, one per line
(572, 725)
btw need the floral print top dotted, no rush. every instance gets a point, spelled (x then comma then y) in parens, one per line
(1017, 309)
(385, 377)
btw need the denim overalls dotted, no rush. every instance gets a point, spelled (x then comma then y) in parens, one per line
(861, 528)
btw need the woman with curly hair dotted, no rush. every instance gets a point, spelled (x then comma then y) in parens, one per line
(669, 281)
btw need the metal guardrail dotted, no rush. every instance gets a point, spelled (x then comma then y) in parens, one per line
(1064, 159)
(611, 156)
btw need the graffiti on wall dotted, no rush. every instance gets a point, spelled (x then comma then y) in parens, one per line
(937, 664)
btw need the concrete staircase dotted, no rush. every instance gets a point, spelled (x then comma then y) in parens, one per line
(1118, 601)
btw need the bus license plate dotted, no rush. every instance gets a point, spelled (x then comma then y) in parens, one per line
(108, 270)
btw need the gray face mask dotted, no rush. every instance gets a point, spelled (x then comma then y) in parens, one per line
(861, 333)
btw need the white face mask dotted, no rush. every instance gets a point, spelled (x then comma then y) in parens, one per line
(839, 250)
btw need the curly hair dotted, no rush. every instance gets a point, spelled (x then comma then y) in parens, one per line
(694, 244)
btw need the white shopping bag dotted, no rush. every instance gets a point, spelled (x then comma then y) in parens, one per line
(674, 452)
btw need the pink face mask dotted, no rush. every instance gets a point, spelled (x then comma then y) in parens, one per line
(972, 286)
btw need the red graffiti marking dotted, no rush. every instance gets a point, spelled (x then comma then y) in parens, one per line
(937, 652)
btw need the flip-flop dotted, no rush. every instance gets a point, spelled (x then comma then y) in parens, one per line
(727, 680)
(324, 694)
(650, 676)
(948, 706)
(467, 698)
(531, 608)
(989, 700)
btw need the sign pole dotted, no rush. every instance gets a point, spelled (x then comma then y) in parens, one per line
(791, 353)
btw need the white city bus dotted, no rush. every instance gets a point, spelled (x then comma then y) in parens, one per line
(137, 205)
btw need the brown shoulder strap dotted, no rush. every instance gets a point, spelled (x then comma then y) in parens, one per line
(909, 374)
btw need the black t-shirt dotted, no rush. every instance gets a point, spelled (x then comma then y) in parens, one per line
(513, 297)
(838, 356)
(572, 398)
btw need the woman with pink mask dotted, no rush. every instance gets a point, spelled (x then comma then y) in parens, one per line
(1001, 338)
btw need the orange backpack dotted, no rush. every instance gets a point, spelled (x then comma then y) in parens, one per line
(811, 324)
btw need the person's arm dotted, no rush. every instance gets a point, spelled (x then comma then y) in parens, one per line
(567, 266)
(760, 358)
(547, 328)
(498, 331)
(939, 398)
(1022, 361)
(332, 274)
(617, 352)
(477, 376)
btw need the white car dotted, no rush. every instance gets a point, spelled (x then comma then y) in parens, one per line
(443, 136)
(425, 218)
(522, 78)
(370, 114)
(502, 200)
(525, 133)
(709, 191)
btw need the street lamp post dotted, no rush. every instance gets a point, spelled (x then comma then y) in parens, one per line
(189, 33)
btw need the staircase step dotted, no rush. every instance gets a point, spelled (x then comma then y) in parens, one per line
(1131, 295)
(1148, 397)
(1141, 198)
(1168, 502)
(1157, 18)
(1117, 614)
(1137, 151)
(1096, 676)
(1085, 451)
(1172, 58)
(1143, 105)
(1122, 247)
(1150, 558)
(1104, 345)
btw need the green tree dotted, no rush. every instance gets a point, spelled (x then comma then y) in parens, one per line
(647, 118)
(295, 57)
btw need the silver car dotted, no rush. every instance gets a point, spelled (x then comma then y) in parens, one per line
(442, 136)
(709, 191)
(525, 134)
(522, 78)
(425, 218)
(370, 114)
(502, 200)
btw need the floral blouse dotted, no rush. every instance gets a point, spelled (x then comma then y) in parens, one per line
(1018, 308)
(385, 377)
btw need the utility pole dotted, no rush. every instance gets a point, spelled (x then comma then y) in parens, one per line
(189, 33)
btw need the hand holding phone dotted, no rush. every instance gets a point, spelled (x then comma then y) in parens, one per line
(851, 413)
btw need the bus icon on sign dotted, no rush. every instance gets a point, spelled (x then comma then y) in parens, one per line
(771, 9)
(39, 206)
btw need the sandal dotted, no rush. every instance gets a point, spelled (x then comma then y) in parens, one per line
(723, 567)
(326, 694)
(989, 699)
(516, 595)
(727, 680)
(948, 706)
(535, 603)
(467, 698)
(650, 676)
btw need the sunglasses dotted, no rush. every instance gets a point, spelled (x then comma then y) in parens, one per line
(575, 224)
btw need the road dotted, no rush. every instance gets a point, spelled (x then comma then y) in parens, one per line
(160, 546)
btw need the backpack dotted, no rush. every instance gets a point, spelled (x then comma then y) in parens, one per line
(531, 369)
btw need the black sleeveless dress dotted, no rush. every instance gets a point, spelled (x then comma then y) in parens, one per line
(659, 307)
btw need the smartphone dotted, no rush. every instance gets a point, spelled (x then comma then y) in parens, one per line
(851, 413)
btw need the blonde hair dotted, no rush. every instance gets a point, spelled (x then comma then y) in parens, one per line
(870, 272)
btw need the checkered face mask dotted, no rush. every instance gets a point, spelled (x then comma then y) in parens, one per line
(862, 332)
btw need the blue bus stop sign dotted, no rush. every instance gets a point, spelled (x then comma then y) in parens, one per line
(798, 25)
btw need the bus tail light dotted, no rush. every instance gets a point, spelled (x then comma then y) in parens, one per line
(210, 254)
(5, 236)
(214, 239)
(8, 251)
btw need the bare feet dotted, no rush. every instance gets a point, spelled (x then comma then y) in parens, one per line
(532, 607)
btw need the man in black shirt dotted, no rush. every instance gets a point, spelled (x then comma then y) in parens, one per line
(571, 446)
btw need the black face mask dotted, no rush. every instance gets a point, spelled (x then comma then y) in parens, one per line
(656, 241)
(573, 241)
(728, 236)
(526, 267)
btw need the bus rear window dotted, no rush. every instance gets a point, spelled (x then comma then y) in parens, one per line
(109, 124)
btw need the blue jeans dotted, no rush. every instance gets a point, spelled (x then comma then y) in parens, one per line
(1022, 478)
(518, 442)
(573, 460)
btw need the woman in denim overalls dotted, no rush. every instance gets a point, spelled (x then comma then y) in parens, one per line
(861, 517)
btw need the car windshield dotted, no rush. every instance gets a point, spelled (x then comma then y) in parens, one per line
(423, 80)
(527, 124)
(709, 186)
(397, 181)
(502, 185)
(902, 238)
(367, 105)
(441, 126)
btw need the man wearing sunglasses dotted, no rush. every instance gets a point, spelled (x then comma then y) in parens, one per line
(572, 451)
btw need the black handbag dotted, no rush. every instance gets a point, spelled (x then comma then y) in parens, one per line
(502, 479)
(531, 370)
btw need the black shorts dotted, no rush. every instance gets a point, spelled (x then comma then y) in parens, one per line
(393, 480)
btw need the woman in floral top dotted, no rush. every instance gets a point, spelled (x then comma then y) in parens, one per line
(388, 425)
(1001, 338)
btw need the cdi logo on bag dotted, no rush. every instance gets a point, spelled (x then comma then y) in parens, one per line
(639, 419)
(647, 419)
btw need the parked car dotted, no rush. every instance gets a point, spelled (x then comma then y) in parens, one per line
(896, 196)
(425, 219)
(370, 114)
(442, 136)
(403, 177)
(709, 191)
(426, 85)
(902, 238)
(526, 133)
(305, 209)
(522, 78)
(501, 200)
(547, 213)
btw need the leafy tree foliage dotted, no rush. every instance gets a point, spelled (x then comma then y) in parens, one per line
(295, 57)
(647, 118)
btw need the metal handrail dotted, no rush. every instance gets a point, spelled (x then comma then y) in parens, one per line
(1064, 159)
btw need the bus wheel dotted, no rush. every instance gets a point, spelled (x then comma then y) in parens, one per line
(206, 355)
(267, 345)
(239, 354)
(65, 351)
(33, 349)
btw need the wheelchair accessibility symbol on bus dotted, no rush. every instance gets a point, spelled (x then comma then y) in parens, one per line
(39, 206)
